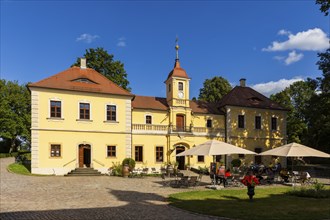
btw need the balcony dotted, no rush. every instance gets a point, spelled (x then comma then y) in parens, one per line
(165, 129)
(150, 128)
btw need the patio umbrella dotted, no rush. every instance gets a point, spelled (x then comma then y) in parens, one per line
(214, 147)
(295, 150)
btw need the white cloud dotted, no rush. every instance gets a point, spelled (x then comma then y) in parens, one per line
(121, 42)
(293, 57)
(311, 40)
(274, 87)
(284, 32)
(87, 38)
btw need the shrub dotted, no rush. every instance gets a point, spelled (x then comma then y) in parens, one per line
(236, 162)
(116, 169)
(317, 190)
(130, 162)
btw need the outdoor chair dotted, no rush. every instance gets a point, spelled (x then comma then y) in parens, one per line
(192, 181)
(165, 182)
(153, 170)
(144, 172)
(183, 181)
(199, 179)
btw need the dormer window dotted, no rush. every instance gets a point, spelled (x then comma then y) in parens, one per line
(180, 86)
(84, 80)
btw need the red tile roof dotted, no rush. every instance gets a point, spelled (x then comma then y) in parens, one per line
(84, 80)
(177, 71)
(148, 102)
(158, 103)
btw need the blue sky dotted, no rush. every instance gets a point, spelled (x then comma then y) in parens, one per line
(270, 43)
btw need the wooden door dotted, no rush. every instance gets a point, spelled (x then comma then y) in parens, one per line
(81, 155)
(180, 122)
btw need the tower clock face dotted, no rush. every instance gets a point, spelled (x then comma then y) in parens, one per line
(180, 95)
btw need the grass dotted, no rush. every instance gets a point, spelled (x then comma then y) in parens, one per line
(18, 168)
(268, 203)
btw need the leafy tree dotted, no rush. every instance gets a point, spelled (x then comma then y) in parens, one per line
(214, 89)
(324, 66)
(317, 110)
(101, 61)
(296, 99)
(15, 113)
(324, 6)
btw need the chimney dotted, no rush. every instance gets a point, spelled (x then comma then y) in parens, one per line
(242, 82)
(83, 63)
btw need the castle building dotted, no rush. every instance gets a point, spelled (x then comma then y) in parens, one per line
(82, 119)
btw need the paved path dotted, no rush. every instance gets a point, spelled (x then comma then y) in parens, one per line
(55, 197)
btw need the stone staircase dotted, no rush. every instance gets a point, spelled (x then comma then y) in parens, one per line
(84, 172)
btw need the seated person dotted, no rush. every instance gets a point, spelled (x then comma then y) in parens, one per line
(227, 175)
(220, 174)
(284, 174)
(270, 175)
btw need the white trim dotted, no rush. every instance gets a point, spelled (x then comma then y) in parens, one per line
(58, 171)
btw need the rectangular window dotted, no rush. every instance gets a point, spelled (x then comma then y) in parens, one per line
(159, 154)
(180, 86)
(241, 156)
(209, 123)
(200, 159)
(55, 150)
(257, 122)
(148, 119)
(111, 151)
(169, 87)
(55, 109)
(84, 111)
(274, 123)
(111, 113)
(139, 153)
(241, 121)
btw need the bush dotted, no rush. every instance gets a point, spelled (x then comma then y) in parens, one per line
(317, 190)
(116, 169)
(236, 162)
(130, 162)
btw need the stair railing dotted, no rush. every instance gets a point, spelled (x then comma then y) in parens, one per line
(99, 162)
(69, 162)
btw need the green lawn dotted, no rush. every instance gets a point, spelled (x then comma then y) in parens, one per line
(18, 168)
(268, 203)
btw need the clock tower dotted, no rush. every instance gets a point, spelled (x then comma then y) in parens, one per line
(177, 85)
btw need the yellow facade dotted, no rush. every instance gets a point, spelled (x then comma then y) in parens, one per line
(151, 135)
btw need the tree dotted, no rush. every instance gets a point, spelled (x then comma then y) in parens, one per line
(99, 60)
(317, 110)
(296, 99)
(324, 66)
(15, 113)
(214, 89)
(324, 6)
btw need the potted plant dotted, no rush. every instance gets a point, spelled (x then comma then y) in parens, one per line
(128, 165)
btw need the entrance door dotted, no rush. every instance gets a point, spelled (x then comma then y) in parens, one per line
(180, 160)
(180, 122)
(84, 155)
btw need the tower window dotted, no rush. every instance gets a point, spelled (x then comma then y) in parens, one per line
(180, 86)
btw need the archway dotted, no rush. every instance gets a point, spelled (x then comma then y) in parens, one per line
(84, 155)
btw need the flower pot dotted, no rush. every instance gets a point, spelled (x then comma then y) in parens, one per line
(125, 170)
